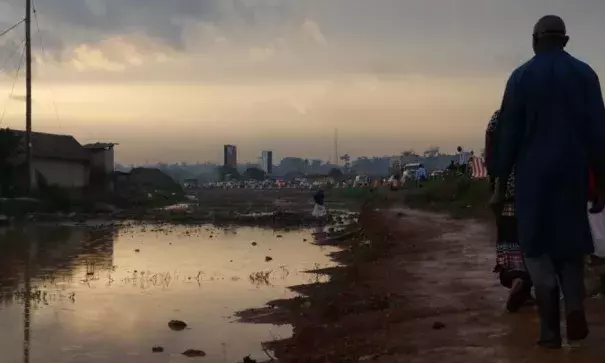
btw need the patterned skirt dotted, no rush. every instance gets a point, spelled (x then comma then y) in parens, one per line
(509, 258)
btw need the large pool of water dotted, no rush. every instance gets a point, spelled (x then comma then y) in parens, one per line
(106, 294)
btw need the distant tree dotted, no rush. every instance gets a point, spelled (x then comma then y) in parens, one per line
(347, 159)
(228, 172)
(254, 174)
(206, 177)
(289, 164)
(314, 166)
(431, 152)
(335, 173)
(9, 150)
(410, 152)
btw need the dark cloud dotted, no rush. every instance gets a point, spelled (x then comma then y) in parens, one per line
(380, 36)
(161, 19)
(378, 18)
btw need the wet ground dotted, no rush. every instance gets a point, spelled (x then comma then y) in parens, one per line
(427, 295)
(106, 294)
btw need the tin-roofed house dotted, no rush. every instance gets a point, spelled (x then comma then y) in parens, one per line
(58, 160)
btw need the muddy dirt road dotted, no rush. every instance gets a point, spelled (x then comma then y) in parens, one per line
(428, 295)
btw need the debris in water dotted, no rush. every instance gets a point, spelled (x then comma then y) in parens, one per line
(177, 325)
(157, 349)
(137, 250)
(279, 236)
(304, 240)
(193, 353)
(254, 243)
(268, 258)
(438, 325)
(247, 359)
(260, 278)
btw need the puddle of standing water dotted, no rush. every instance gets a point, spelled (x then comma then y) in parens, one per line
(94, 298)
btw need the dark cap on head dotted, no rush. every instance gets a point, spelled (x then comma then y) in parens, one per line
(550, 25)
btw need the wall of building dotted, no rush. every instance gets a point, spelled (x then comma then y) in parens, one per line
(230, 155)
(62, 173)
(103, 159)
(267, 161)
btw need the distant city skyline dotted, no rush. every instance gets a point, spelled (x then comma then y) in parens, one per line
(258, 158)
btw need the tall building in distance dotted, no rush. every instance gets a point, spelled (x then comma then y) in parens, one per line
(230, 155)
(267, 161)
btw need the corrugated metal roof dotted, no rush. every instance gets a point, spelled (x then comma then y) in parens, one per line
(53, 146)
(100, 145)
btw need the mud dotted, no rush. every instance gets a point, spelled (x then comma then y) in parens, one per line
(416, 287)
(278, 209)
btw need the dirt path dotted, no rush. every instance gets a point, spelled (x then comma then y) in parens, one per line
(428, 296)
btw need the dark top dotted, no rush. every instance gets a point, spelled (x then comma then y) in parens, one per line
(319, 197)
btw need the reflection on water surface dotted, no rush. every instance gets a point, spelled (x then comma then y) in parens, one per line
(84, 294)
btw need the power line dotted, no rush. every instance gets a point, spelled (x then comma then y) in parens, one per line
(10, 56)
(12, 27)
(14, 82)
(52, 92)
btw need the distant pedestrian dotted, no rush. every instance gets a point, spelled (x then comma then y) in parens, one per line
(463, 158)
(452, 168)
(319, 210)
(421, 175)
(552, 131)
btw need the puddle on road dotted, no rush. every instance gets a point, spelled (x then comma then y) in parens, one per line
(94, 298)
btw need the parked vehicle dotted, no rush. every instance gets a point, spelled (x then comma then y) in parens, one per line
(409, 171)
(362, 181)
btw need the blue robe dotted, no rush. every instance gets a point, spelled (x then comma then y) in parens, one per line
(551, 130)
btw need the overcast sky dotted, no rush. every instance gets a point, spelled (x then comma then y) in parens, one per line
(175, 80)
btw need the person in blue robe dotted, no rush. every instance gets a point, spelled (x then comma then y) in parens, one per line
(551, 130)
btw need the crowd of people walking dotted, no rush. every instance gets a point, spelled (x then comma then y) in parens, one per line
(542, 146)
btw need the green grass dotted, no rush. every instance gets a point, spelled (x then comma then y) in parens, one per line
(460, 197)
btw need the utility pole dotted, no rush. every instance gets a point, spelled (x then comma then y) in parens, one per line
(336, 147)
(28, 95)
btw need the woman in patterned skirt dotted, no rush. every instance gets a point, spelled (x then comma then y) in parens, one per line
(510, 264)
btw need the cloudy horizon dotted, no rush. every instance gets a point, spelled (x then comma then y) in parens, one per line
(174, 81)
